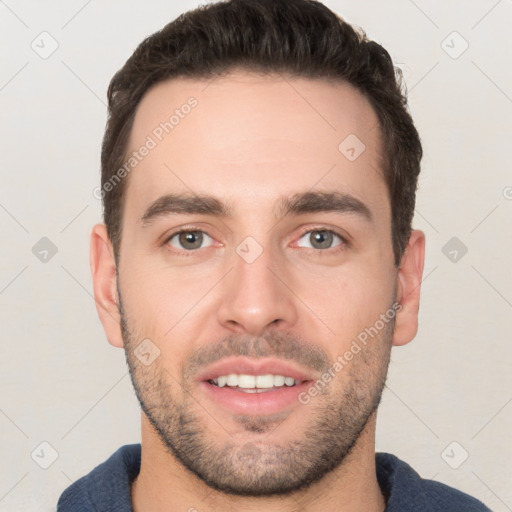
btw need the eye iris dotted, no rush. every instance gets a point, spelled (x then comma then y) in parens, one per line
(191, 239)
(321, 239)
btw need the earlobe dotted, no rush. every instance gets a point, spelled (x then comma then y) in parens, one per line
(103, 270)
(408, 289)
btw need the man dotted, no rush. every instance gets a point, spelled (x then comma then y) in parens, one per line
(257, 264)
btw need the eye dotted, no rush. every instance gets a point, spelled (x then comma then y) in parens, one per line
(189, 240)
(321, 239)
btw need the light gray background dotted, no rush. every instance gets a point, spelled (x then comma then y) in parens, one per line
(63, 384)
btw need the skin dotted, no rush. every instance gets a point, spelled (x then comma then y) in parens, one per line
(251, 140)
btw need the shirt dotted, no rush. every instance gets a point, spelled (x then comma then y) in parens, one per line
(107, 487)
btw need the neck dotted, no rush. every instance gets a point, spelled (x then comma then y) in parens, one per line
(164, 485)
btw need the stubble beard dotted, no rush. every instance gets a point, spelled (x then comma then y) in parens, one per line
(261, 467)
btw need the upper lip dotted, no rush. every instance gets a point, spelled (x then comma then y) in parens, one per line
(248, 366)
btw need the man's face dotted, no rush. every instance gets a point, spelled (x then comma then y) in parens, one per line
(256, 294)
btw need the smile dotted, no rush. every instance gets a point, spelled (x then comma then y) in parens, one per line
(254, 383)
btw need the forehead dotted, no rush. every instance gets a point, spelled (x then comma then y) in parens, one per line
(250, 138)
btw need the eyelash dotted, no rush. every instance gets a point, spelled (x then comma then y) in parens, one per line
(343, 245)
(344, 242)
(183, 252)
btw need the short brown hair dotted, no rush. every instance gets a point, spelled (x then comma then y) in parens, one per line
(302, 38)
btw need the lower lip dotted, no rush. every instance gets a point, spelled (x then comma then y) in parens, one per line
(264, 403)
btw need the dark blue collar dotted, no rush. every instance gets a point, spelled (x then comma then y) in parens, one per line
(107, 487)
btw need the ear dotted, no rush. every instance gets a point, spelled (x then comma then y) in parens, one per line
(408, 288)
(103, 270)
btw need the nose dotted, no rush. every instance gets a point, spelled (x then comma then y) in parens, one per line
(256, 297)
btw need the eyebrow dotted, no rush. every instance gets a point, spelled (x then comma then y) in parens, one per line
(297, 204)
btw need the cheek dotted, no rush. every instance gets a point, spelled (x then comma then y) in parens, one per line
(168, 306)
(349, 300)
(149, 301)
(351, 286)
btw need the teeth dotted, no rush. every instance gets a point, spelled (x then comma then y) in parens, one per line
(265, 381)
(243, 381)
(232, 380)
(279, 380)
(246, 381)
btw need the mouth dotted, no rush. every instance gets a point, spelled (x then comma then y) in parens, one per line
(254, 383)
(254, 387)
